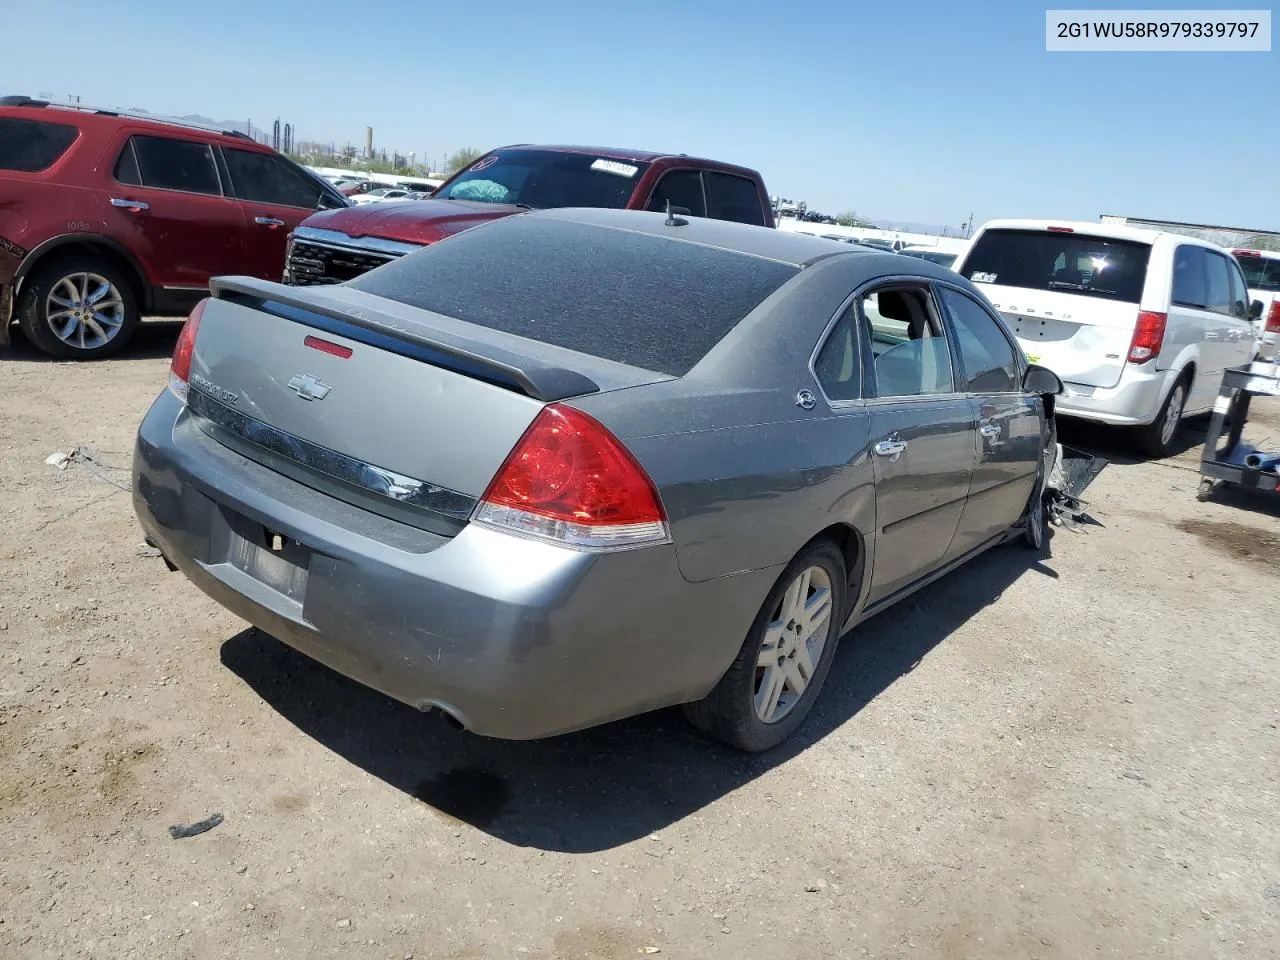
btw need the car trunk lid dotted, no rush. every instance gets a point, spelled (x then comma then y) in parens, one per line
(406, 412)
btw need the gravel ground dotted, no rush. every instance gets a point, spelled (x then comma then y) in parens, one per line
(1072, 757)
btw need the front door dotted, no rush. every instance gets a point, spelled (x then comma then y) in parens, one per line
(923, 435)
(1009, 435)
(164, 201)
(275, 198)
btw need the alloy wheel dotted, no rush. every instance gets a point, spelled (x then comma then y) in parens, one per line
(85, 310)
(793, 643)
(1172, 414)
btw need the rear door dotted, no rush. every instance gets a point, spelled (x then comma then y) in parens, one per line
(1009, 440)
(923, 434)
(275, 197)
(1070, 299)
(165, 202)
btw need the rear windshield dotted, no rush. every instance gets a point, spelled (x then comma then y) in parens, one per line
(646, 301)
(547, 178)
(1261, 273)
(32, 145)
(1065, 262)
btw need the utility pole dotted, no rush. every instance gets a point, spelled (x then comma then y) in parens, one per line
(968, 225)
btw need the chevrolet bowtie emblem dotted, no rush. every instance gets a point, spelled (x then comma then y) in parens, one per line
(308, 387)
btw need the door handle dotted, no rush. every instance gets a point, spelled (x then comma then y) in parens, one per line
(892, 448)
(269, 221)
(134, 205)
(990, 430)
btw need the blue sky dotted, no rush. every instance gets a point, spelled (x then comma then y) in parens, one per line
(912, 111)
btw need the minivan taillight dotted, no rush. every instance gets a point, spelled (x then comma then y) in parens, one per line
(570, 481)
(1273, 316)
(1148, 335)
(180, 366)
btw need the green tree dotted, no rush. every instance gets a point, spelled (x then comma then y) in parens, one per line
(850, 218)
(463, 158)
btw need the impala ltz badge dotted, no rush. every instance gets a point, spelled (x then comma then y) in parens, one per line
(229, 397)
(308, 387)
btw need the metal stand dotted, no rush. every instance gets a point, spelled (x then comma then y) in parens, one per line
(1237, 462)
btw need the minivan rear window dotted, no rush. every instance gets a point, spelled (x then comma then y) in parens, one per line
(33, 145)
(1261, 273)
(647, 301)
(1063, 262)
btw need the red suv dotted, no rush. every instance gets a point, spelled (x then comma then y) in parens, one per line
(106, 217)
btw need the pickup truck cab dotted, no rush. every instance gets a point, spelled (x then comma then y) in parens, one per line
(1262, 276)
(336, 245)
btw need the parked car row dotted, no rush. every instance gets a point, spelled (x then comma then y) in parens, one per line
(111, 216)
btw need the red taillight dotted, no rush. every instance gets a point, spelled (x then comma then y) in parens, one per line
(1246, 253)
(1148, 336)
(1273, 316)
(180, 366)
(571, 481)
(327, 346)
(1061, 229)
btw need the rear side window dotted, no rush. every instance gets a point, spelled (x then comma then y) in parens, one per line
(683, 188)
(1190, 284)
(263, 178)
(169, 164)
(733, 198)
(30, 146)
(647, 301)
(1064, 262)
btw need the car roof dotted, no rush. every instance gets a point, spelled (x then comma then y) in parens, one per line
(1112, 231)
(769, 243)
(96, 120)
(623, 153)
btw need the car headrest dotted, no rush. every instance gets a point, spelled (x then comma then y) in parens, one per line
(892, 305)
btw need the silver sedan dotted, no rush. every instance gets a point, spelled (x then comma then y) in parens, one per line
(574, 465)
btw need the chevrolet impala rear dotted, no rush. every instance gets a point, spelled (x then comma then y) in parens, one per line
(402, 476)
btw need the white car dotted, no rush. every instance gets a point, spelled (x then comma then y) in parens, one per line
(1138, 324)
(1262, 275)
(382, 194)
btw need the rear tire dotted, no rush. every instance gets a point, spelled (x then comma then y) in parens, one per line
(756, 706)
(80, 307)
(1156, 438)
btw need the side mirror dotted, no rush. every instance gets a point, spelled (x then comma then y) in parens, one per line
(1041, 380)
(1255, 310)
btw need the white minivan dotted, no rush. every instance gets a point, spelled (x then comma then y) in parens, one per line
(1138, 324)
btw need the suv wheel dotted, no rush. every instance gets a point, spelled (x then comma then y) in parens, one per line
(772, 684)
(1156, 439)
(79, 307)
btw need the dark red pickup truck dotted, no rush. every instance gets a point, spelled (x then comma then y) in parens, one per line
(336, 245)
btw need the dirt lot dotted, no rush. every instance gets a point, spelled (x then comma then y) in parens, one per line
(1055, 759)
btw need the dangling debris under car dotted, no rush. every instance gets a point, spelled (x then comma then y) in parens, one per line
(1072, 472)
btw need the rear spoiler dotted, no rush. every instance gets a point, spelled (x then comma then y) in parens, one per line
(387, 332)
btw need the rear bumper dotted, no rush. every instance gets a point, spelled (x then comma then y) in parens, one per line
(1133, 402)
(515, 638)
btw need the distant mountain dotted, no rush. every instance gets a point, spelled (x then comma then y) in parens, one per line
(240, 126)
